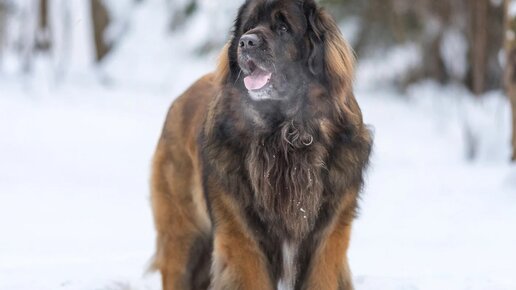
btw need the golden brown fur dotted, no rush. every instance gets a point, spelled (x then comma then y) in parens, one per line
(180, 213)
(216, 204)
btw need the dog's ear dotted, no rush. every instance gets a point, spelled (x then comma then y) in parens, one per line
(316, 45)
(222, 70)
(329, 52)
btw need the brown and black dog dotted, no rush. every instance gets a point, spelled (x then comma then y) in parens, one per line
(257, 173)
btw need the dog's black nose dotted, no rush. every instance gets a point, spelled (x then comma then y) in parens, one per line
(248, 41)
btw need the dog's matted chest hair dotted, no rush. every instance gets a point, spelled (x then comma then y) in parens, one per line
(277, 146)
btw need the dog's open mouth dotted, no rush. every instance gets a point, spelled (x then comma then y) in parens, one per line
(258, 77)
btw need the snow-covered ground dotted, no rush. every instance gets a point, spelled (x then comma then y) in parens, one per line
(75, 160)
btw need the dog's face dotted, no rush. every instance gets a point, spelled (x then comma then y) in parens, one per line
(275, 51)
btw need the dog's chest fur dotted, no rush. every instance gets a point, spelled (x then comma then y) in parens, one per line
(285, 171)
(289, 252)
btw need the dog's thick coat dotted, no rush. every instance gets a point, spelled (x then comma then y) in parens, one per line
(261, 195)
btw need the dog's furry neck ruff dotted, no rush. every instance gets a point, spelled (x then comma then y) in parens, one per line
(285, 169)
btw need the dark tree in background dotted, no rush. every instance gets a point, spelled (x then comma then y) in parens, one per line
(3, 24)
(43, 30)
(510, 67)
(100, 17)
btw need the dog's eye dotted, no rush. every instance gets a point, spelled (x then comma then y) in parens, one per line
(282, 28)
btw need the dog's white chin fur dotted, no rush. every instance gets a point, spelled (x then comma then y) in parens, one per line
(265, 93)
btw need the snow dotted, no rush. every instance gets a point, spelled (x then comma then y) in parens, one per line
(75, 160)
(120, 12)
(82, 54)
(512, 8)
(388, 66)
(454, 51)
(157, 59)
(430, 220)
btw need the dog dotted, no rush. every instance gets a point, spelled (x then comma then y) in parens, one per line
(257, 174)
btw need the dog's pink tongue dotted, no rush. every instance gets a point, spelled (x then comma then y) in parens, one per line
(257, 80)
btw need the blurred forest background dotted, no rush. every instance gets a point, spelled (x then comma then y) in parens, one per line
(86, 84)
(463, 42)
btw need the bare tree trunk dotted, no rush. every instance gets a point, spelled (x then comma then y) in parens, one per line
(479, 45)
(43, 30)
(100, 18)
(510, 65)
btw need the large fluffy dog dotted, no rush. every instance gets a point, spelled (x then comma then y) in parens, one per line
(257, 172)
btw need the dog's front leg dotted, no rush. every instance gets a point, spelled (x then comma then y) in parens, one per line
(238, 261)
(329, 268)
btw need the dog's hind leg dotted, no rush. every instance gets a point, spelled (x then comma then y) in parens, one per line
(183, 228)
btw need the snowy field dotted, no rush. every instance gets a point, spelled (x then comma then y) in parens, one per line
(75, 161)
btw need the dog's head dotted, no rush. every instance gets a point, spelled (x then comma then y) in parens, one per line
(280, 47)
